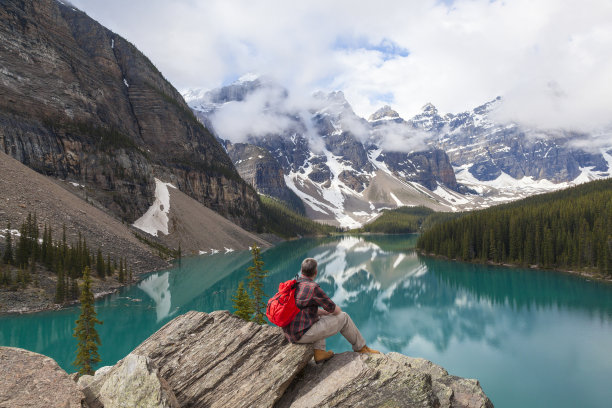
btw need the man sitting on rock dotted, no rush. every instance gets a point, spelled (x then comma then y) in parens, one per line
(314, 325)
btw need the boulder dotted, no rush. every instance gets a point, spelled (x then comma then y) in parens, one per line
(132, 382)
(392, 380)
(219, 360)
(32, 380)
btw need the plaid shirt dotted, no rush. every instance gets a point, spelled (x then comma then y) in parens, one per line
(308, 297)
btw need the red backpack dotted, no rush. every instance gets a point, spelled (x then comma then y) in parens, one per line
(281, 308)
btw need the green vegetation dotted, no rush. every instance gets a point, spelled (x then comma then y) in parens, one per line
(85, 331)
(163, 251)
(66, 261)
(252, 307)
(280, 220)
(569, 229)
(405, 220)
(104, 138)
(8, 245)
(399, 220)
(243, 304)
(256, 277)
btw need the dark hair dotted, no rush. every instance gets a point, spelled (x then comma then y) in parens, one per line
(309, 267)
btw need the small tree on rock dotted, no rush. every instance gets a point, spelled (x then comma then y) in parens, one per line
(85, 331)
(243, 304)
(256, 277)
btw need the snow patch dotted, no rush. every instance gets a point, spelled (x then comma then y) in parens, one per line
(126, 83)
(156, 217)
(397, 200)
(449, 195)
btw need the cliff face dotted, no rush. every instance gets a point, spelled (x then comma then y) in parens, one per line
(426, 168)
(79, 102)
(261, 170)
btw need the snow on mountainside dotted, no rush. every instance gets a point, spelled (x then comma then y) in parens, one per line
(347, 170)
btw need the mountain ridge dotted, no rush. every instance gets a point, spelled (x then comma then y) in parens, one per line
(334, 160)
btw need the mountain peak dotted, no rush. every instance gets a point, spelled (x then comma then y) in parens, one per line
(429, 109)
(248, 77)
(386, 112)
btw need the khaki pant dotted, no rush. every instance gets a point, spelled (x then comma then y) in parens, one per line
(329, 325)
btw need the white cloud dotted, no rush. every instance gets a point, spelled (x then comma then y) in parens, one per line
(551, 60)
(261, 113)
(398, 137)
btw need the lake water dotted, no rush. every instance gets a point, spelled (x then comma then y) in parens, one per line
(532, 338)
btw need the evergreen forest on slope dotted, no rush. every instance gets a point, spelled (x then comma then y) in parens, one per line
(278, 219)
(405, 220)
(569, 229)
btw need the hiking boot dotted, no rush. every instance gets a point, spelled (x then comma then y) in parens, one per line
(366, 349)
(322, 355)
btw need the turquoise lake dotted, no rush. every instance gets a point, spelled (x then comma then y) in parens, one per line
(532, 338)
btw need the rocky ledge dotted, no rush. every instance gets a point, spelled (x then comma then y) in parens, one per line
(218, 360)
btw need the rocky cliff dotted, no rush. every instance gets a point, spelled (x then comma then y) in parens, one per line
(261, 170)
(218, 360)
(328, 154)
(79, 102)
(346, 169)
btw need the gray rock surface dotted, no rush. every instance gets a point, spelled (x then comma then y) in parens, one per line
(392, 380)
(32, 380)
(132, 382)
(219, 360)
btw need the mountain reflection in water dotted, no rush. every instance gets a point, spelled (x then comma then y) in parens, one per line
(533, 338)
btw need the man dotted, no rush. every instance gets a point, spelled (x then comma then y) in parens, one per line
(314, 325)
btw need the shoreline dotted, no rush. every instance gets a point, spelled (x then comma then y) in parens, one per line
(581, 274)
(100, 294)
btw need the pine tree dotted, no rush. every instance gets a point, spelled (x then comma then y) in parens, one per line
(256, 277)
(243, 304)
(607, 269)
(109, 271)
(100, 270)
(74, 288)
(8, 251)
(60, 289)
(22, 253)
(121, 277)
(85, 331)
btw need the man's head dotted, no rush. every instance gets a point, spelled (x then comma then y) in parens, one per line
(309, 267)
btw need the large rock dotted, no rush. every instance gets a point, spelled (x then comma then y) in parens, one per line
(219, 360)
(392, 380)
(132, 382)
(30, 379)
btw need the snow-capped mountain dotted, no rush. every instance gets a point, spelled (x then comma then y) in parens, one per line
(347, 169)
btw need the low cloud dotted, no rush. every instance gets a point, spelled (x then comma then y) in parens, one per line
(550, 59)
(261, 113)
(400, 137)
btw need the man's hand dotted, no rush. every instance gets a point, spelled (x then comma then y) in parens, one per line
(322, 312)
(337, 310)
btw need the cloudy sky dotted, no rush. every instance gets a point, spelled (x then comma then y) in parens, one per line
(551, 60)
